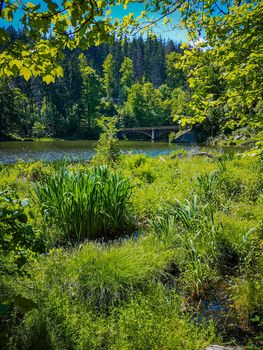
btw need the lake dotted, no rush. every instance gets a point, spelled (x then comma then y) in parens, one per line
(11, 152)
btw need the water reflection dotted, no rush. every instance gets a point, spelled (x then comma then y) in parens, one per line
(11, 152)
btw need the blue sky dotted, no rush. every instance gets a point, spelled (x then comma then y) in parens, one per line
(176, 34)
(119, 12)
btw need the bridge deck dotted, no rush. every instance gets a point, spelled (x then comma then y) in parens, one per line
(150, 128)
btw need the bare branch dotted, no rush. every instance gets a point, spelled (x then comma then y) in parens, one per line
(220, 10)
(169, 12)
(87, 20)
(40, 15)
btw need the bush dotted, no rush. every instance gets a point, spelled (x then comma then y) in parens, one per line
(242, 180)
(18, 241)
(74, 289)
(33, 171)
(83, 205)
(107, 150)
(19, 245)
(147, 321)
(239, 244)
(205, 258)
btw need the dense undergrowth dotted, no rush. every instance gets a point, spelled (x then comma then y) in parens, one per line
(151, 253)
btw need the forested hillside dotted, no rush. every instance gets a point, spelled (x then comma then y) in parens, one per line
(72, 79)
(134, 79)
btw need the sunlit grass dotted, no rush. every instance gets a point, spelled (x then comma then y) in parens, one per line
(89, 204)
(198, 237)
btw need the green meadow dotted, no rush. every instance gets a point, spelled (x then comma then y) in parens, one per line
(141, 253)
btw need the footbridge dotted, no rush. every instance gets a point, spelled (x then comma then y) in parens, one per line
(154, 132)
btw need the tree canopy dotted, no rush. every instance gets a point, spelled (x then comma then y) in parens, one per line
(52, 26)
(49, 28)
(219, 70)
(226, 68)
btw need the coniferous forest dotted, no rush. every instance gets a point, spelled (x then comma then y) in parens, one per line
(143, 81)
(134, 79)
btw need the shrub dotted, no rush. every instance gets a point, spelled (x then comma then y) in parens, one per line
(18, 241)
(101, 275)
(242, 180)
(126, 294)
(142, 168)
(19, 244)
(111, 273)
(33, 171)
(138, 160)
(86, 205)
(107, 150)
(151, 320)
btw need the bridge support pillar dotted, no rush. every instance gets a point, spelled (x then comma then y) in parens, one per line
(153, 135)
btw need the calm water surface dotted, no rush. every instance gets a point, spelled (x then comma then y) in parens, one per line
(11, 152)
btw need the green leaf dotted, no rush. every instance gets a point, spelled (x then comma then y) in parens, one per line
(30, 5)
(25, 72)
(48, 79)
(59, 71)
(16, 63)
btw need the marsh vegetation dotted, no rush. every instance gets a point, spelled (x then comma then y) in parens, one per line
(142, 253)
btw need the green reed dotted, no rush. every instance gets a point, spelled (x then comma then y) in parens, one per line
(86, 205)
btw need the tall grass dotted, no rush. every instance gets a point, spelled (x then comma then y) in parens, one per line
(191, 216)
(155, 321)
(85, 205)
(102, 296)
(206, 186)
(190, 227)
(125, 294)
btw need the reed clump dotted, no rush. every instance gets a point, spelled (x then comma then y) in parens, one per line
(86, 205)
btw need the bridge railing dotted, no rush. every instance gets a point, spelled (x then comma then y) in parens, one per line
(150, 128)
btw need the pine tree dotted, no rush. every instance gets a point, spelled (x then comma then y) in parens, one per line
(126, 77)
(170, 47)
(90, 97)
(117, 55)
(138, 58)
(108, 80)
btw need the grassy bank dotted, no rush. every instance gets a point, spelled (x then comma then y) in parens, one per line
(239, 138)
(14, 137)
(149, 253)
